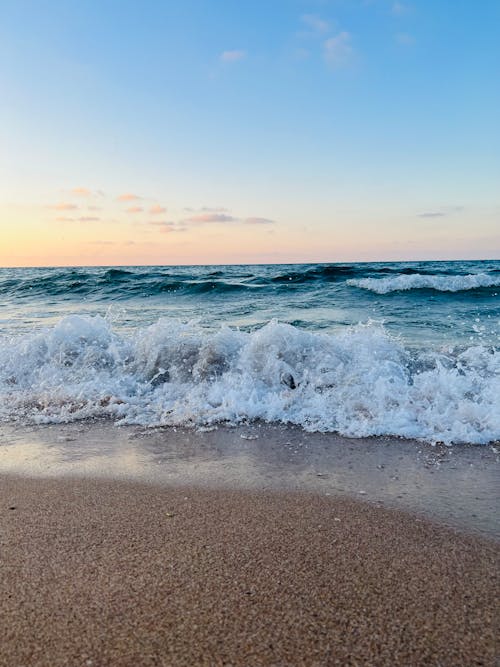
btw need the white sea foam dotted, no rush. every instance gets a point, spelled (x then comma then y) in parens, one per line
(359, 383)
(422, 281)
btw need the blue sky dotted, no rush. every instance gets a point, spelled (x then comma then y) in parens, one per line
(357, 129)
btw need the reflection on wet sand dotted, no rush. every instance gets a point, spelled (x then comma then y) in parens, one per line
(457, 485)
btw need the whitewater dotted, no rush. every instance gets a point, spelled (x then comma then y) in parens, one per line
(404, 349)
(418, 281)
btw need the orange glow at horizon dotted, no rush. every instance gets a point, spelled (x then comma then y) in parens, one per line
(94, 231)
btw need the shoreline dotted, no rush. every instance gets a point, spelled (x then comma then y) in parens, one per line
(456, 486)
(104, 572)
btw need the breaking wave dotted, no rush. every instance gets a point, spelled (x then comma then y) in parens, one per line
(361, 382)
(422, 281)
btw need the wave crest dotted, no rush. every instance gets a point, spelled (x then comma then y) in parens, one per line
(423, 281)
(359, 383)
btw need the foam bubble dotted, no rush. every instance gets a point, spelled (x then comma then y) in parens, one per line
(359, 383)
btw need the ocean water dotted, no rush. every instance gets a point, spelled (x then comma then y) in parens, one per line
(410, 349)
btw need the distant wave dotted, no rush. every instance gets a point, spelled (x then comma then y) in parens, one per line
(421, 281)
(359, 383)
(326, 272)
(117, 284)
(120, 283)
(123, 283)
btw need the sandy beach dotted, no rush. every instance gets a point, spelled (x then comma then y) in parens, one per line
(249, 334)
(99, 572)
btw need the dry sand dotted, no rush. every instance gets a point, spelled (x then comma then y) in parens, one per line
(114, 573)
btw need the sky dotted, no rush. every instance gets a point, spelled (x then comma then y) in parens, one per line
(248, 131)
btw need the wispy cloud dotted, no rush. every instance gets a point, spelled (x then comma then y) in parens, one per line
(128, 196)
(64, 206)
(258, 221)
(157, 210)
(135, 209)
(168, 226)
(315, 23)
(431, 214)
(338, 51)
(81, 218)
(441, 212)
(233, 56)
(405, 39)
(211, 217)
(81, 192)
(206, 209)
(400, 8)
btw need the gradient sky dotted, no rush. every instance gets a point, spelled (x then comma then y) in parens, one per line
(191, 131)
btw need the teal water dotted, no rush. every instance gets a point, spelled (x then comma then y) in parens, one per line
(442, 302)
(408, 348)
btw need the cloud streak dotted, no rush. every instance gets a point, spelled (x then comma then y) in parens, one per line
(168, 226)
(258, 221)
(431, 214)
(442, 212)
(233, 56)
(128, 196)
(210, 217)
(82, 218)
(64, 206)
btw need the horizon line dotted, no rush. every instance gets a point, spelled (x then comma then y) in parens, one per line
(378, 261)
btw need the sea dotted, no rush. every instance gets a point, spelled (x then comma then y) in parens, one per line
(408, 349)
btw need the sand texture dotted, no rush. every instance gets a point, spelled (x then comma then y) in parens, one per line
(113, 573)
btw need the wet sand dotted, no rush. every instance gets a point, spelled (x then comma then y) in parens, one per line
(457, 486)
(98, 572)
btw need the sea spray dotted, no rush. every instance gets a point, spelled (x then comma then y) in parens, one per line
(359, 382)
